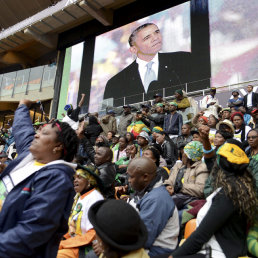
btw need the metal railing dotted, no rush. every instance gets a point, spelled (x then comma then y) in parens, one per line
(23, 81)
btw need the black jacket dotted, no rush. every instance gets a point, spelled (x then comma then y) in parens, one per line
(107, 175)
(254, 100)
(172, 67)
(93, 129)
(169, 153)
(156, 119)
(223, 221)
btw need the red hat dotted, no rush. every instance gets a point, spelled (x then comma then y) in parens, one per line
(204, 118)
(254, 111)
(238, 114)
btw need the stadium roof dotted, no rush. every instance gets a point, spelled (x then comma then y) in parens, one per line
(30, 29)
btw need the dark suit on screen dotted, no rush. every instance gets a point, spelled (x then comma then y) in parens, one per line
(174, 69)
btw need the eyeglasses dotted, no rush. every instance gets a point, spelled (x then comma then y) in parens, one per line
(251, 137)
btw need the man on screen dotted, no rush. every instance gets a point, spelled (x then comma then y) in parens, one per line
(151, 71)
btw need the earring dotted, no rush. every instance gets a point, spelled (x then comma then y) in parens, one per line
(54, 151)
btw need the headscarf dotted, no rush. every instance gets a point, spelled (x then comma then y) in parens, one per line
(90, 173)
(231, 158)
(157, 129)
(194, 150)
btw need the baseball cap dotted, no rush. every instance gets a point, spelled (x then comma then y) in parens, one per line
(157, 95)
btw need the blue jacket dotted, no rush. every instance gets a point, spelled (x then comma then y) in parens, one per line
(35, 212)
(175, 125)
(159, 214)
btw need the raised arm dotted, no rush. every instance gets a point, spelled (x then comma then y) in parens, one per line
(23, 130)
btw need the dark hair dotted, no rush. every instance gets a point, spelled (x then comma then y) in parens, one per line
(126, 141)
(113, 133)
(155, 153)
(134, 33)
(68, 138)
(226, 135)
(216, 119)
(255, 129)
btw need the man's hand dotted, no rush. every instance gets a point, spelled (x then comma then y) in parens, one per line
(212, 103)
(170, 189)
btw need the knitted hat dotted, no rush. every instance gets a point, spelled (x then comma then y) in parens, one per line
(157, 129)
(180, 92)
(236, 114)
(147, 130)
(231, 158)
(118, 224)
(194, 150)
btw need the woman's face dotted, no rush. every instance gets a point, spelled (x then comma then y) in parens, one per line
(252, 139)
(211, 121)
(237, 121)
(45, 141)
(109, 135)
(149, 154)
(80, 183)
(196, 137)
(218, 140)
(122, 143)
(160, 138)
(128, 137)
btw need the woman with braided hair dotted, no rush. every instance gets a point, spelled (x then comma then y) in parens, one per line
(222, 221)
(36, 189)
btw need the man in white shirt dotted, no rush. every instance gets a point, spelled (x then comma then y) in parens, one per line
(250, 99)
(151, 70)
(210, 103)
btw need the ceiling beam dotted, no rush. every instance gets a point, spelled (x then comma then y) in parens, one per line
(104, 16)
(11, 57)
(47, 40)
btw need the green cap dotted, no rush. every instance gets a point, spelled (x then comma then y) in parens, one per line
(173, 103)
(159, 105)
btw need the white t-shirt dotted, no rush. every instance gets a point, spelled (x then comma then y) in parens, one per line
(237, 136)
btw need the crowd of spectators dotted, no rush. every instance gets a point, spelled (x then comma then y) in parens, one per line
(138, 181)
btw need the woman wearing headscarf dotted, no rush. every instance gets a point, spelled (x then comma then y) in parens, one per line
(81, 232)
(36, 188)
(181, 101)
(222, 221)
(187, 178)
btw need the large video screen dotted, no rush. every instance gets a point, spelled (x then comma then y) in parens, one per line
(71, 77)
(234, 41)
(115, 71)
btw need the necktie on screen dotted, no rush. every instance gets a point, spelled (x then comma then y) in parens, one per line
(149, 76)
